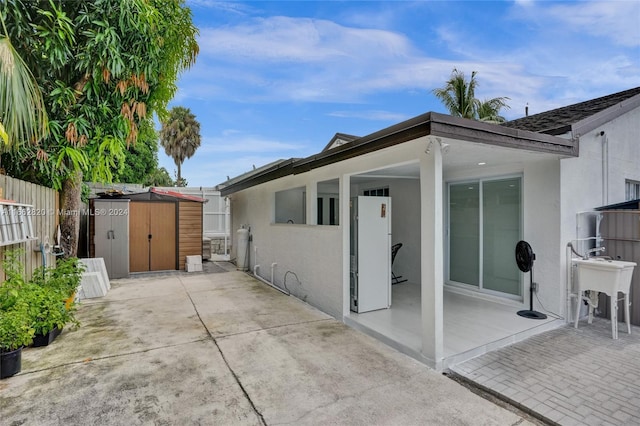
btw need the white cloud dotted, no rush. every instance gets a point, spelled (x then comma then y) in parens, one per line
(300, 40)
(216, 170)
(234, 142)
(371, 115)
(615, 20)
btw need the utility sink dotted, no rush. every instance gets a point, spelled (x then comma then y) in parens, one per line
(609, 277)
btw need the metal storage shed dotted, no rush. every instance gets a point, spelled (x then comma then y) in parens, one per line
(163, 228)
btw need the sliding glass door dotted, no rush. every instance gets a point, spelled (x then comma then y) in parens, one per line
(484, 227)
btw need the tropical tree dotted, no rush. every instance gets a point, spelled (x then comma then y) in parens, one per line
(141, 159)
(180, 137)
(458, 96)
(159, 177)
(103, 66)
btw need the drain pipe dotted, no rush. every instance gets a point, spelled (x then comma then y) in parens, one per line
(605, 168)
(256, 267)
(570, 294)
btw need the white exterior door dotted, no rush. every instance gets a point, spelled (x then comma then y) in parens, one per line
(374, 253)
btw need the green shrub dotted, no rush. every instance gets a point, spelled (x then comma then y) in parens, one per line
(16, 328)
(36, 306)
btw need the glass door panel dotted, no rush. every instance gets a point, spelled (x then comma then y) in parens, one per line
(464, 233)
(501, 232)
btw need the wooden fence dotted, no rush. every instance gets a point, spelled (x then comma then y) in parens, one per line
(44, 217)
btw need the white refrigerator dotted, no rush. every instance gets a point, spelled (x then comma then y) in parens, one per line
(370, 251)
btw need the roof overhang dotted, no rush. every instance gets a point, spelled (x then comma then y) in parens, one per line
(431, 123)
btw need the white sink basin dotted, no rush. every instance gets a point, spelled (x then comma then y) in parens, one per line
(609, 277)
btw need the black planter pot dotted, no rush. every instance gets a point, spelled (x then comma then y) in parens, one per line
(10, 363)
(45, 339)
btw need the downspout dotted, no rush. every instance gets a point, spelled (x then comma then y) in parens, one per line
(605, 168)
(569, 296)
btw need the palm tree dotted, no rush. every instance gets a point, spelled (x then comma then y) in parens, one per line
(489, 110)
(180, 137)
(23, 118)
(458, 96)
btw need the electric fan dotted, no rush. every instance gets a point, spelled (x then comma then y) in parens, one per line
(524, 258)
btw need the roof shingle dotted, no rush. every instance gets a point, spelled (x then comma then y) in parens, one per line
(558, 121)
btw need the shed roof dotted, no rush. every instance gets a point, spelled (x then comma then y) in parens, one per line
(626, 205)
(560, 120)
(157, 194)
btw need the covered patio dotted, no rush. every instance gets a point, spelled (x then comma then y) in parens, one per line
(472, 325)
(440, 316)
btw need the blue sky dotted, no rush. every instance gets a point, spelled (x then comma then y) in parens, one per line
(278, 79)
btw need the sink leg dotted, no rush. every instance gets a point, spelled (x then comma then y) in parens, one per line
(614, 316)
(578, 301)
(627, 317)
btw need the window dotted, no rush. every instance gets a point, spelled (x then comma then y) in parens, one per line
(632, 190)
(328, 202)
(484, 227)
(291, 206)
(378, 192)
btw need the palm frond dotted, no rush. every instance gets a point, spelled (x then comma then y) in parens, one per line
(22, 109)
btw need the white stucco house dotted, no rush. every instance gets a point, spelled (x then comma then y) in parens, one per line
(461, 194)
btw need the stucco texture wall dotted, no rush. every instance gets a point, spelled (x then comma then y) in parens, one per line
(310, 256)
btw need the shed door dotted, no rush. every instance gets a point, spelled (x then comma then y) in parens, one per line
(152, 236)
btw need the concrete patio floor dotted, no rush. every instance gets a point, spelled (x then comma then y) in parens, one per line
(222, 349)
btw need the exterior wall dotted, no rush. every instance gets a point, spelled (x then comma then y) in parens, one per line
(541, 210)
(310, 256)
(582, 177)
(190, 231)
(317, 253)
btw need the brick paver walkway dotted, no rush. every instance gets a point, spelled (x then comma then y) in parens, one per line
(567, 376)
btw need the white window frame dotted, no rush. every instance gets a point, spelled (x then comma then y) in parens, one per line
(631, 190)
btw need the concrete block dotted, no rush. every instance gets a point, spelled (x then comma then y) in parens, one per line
(194, 267)
(194, 260)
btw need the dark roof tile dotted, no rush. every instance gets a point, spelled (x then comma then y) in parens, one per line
(559, 120)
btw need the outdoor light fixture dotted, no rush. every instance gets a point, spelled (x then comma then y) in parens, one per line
(444, 147)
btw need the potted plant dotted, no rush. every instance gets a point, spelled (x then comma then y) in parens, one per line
(15, 333)
(52, 297)
(47, 312)
(15, 321)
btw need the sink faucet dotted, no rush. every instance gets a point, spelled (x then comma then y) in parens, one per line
(591, 251)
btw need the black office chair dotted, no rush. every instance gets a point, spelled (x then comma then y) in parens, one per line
(395, 279)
